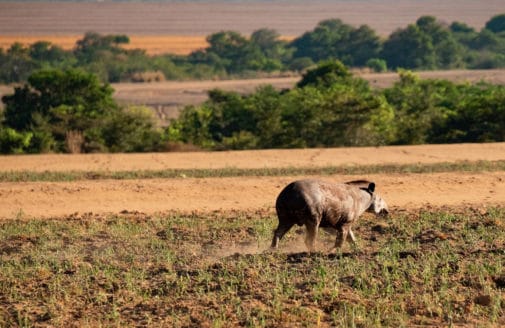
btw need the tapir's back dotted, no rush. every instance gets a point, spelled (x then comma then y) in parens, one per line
(310, 199)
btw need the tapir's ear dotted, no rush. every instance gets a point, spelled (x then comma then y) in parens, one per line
(371, 187)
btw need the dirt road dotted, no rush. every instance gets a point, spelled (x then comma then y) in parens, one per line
(412, 191)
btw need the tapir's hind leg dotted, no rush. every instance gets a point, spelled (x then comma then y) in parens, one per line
(281, 230)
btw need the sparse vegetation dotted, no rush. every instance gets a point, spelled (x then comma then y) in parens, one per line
(463, 166)
(435, 267)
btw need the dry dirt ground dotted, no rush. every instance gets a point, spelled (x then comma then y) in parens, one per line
(410, 191)
(290, 18)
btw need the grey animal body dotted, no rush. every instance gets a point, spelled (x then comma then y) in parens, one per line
(316, 203)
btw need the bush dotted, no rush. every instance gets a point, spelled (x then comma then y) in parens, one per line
(325, 74)
(377, 65)
(13, 142)
(496, 24)
(131, 130)
(331, 108)
(71, 111)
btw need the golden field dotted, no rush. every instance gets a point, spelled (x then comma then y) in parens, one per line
(153, 44)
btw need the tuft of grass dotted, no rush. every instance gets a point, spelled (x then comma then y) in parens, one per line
(54, 176)
(438, 268)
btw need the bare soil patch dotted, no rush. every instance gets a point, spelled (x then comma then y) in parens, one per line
(290, 18)
(53, 199)
(406, 191)
(248, 159)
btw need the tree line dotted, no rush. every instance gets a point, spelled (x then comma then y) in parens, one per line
(330, 107)
(426, 44)
(73, 111)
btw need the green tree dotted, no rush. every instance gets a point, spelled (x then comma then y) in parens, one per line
(233, 53)
(230, 48)
(14, 142)
(93, 46)
(325, 74)
(464, 35)
(377, 65)
(333, 39)
(419, 105)
(448, 52)
(274, 52)
(409, 48)
(50, 55)
(478, 115)
(363, 44)
(340, 114)
(131, 130)
(103, 56)
(496, 24)
(56, 102)
(16, 64)
(489, 50)
(427, 44)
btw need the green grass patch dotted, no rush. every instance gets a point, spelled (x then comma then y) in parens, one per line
(54, 176)
(437, 268)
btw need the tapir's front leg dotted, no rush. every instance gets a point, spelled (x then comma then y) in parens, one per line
(310, 239)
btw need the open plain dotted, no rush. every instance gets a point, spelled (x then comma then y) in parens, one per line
(181, 240)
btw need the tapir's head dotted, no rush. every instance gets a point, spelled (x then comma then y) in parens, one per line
(378, 205)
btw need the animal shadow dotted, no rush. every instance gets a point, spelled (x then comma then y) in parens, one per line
(304, 256)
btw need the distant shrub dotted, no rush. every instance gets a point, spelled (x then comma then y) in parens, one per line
(14, 142)
(377, 65)
(496, 24)
(300, 64)
(325, 74)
